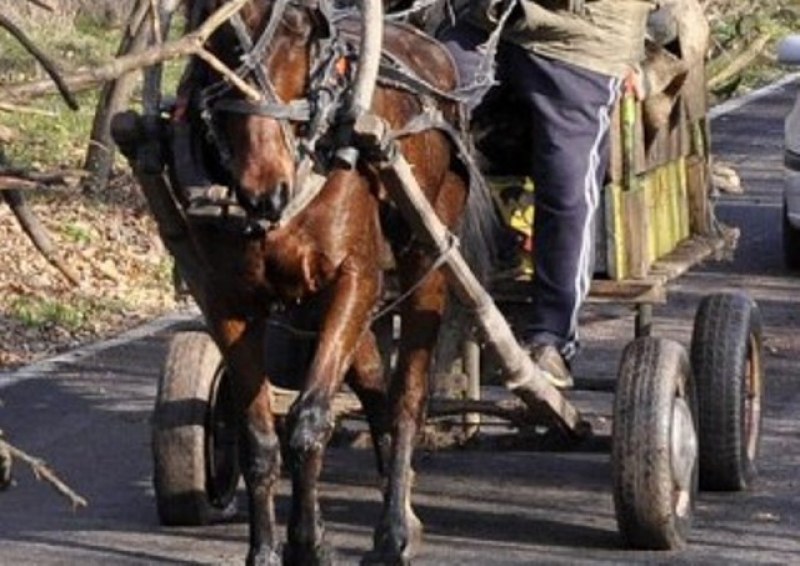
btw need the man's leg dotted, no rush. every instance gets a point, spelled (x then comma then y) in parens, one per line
(463, 41)
(570, 118)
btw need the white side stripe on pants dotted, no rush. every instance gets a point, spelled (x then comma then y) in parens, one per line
(583, 279)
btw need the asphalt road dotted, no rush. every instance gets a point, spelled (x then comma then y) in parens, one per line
(89, 415)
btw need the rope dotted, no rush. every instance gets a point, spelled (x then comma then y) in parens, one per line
(452, 244)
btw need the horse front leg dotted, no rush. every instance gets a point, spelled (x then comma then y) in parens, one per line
(242, 344)
(310, 421)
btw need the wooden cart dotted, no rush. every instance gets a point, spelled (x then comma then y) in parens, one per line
(677, 415)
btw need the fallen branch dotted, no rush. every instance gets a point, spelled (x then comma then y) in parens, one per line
(41, 5)
(22, 179)
(739, 62)
(188, 45)
(37, 233)
(40, 469)
(8, 182)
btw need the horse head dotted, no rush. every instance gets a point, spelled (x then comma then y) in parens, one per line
(269, 45)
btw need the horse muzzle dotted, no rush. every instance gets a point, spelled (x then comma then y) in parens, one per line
(267, 205)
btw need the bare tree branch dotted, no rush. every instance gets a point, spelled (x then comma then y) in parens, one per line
(739, 62)
(37, 232)
(49, 67)
(41, 471)
(42, 5)
(190, 44)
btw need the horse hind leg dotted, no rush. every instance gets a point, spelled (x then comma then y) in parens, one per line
(399, 532)
(366, 379)
(398, 535)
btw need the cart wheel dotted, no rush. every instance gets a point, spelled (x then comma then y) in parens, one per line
(727, 364)
(195, 453)
(654, 445)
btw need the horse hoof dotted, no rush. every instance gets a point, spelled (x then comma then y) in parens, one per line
(377, 558)
(264, 557)
(302, 555)
(396, 546)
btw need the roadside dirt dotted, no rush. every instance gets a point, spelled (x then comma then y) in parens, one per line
(110, 241)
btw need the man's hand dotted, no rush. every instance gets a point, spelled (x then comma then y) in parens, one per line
(636, 83)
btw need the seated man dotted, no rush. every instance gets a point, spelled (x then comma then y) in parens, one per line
(567, 60)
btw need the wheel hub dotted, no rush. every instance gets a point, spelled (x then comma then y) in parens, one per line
(752, 400)
(683, 454)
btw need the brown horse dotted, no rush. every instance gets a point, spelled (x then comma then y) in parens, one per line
(329, 252)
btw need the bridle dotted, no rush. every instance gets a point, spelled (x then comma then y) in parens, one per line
(328, 83)
(321, 112)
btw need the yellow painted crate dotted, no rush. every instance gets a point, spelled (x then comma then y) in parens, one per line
(658, 191)
(656, 197)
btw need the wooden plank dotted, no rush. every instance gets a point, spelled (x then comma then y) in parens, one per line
(694, 93)
(627, 291)
(635, 228)
(686, 255)
(683, 201)
(615, 143)
(698, 188)
(616, 256)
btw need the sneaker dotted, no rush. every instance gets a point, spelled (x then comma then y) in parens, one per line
(552, 363)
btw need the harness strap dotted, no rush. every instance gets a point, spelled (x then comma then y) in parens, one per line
(452, 244)
(394, 71)
(253, 53)
(294, 111)
(261, 44)
(417, 7)
(431, 118)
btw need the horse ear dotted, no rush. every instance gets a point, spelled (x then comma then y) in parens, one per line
(306, 20)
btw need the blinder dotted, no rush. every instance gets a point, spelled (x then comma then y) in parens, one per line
(317, 112)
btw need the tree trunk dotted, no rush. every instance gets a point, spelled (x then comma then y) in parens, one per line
(114, 97)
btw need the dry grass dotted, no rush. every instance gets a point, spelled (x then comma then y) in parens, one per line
(111, 242)
(109, 239)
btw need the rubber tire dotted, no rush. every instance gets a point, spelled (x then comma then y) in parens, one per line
(726, 352)
(653, 373)
(182, 477)
(791, 242)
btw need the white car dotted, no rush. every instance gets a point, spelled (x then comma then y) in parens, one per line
(789, 54)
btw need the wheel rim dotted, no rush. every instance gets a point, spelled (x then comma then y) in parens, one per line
(752, 398)
(684, 452)
(221, 444)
